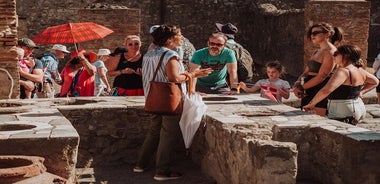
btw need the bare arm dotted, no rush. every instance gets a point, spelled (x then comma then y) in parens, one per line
(232, 71)
(103, 77)
(172, 68)
(335, 81)
(370, 82)
(111, 65)
(252, 89)
(193, 68)
(36, 76)
(28, 85)
(91, 69)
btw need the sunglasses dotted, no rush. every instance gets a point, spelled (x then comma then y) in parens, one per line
(317, 32)
(336, 53)
(131, 44)
(213, 44)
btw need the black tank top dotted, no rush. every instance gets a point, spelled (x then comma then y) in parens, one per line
(346, 91)
(128, 81)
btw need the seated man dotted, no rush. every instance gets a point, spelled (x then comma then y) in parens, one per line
(222, 60)
(246, 68)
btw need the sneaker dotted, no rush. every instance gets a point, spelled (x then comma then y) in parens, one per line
(170, 176)
(138, 169)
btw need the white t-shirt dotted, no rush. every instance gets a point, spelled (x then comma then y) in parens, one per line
(263, 83)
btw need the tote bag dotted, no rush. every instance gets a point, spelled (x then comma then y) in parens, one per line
(164, 98)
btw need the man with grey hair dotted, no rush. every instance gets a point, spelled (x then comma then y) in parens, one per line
(50, 62)
(222, 60)
(246, 67)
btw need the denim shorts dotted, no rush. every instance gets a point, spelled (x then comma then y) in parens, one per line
(338, 109)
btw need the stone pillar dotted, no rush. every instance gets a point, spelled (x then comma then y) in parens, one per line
(9, 73)
(353, 16)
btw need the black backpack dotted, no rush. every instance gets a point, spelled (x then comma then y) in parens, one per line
(246, 68)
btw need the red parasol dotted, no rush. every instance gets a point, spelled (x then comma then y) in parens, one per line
(72, 33)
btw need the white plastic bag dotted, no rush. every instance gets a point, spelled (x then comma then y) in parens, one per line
(193, 111)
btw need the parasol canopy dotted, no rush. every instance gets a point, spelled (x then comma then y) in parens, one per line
(72, 33)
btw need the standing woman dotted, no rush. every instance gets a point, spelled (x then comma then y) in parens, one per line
(164, 130)
(346, 87)
(320, 66)
(126, 68)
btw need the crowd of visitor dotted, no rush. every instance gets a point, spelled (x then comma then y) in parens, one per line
(332, 84)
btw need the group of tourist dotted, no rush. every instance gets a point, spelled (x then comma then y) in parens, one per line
(334, 79)
(331, 85)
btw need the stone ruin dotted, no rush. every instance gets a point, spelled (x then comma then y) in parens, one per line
(243, 139)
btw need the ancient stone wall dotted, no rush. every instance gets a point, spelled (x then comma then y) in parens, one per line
(336, 12)
(269, 29)
(9, 74)
(374, 31)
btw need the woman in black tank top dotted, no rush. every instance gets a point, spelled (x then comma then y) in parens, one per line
(126, 67)
(346, 86)
(319, 67)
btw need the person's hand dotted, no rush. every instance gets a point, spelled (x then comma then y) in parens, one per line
(138, 71)
(202, 72)
(202, 94)
(108, 89)
(128, 71)
(242, 85)
(232, 92)
(81, 56)
(309, 108)
(361, 95)
(299, 93)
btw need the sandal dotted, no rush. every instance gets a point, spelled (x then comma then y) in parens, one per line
(169, 176)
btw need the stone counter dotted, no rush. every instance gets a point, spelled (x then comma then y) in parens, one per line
(242, 138)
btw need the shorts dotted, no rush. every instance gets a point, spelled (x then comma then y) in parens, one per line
(340, 109)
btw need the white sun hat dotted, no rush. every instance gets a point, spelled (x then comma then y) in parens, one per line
(104, 52)
(60, 47)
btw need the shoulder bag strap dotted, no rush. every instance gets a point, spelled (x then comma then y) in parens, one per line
(159, 64)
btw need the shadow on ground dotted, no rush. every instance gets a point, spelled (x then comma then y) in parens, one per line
(123, 174)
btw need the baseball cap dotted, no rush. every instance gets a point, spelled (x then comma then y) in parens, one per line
(153, 28)
(228, 29)
(118, 50)
(60, 48)
(27, 43)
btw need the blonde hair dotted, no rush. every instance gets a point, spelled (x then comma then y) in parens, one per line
(132, 37)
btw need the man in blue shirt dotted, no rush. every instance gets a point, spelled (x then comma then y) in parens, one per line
(50, 61)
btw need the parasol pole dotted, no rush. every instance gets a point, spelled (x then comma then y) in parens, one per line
(72, 35)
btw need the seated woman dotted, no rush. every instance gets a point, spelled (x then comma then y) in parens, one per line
(346, 87)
